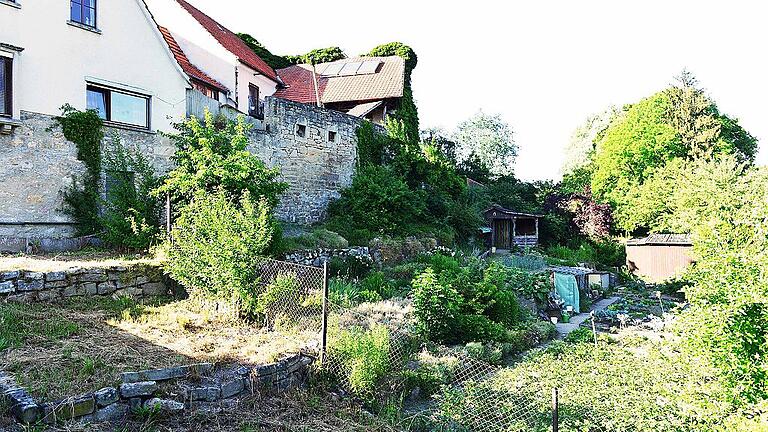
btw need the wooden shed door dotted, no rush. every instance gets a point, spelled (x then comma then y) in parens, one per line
(502, 228)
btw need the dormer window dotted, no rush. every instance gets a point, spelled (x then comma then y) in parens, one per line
(83, 12)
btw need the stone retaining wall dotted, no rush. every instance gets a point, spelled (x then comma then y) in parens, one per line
(135, 281)
(316, 257)
(194, 384)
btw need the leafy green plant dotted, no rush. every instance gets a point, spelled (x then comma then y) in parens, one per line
(436, 305)
(131, 215)
(215, 243)
(81, 198)
(362, 357)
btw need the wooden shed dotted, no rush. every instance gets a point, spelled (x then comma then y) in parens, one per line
(659, 257)
(510, 228)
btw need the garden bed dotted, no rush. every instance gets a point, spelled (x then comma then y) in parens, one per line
(77, 346)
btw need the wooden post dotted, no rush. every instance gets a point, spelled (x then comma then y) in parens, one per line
(514, 232)
(324, 330)
(555, 421)
(537, 230)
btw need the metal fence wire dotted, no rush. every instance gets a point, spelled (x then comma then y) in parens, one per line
(369, 352)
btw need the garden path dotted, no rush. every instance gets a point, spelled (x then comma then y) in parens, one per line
(563, 329)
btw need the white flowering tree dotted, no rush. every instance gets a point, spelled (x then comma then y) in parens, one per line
(489, 138)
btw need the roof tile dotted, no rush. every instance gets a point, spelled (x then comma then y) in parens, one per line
(183, 61)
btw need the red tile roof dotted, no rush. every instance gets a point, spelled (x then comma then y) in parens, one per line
(387, 82)
(230, 41)
(183, 61)
(298, 85)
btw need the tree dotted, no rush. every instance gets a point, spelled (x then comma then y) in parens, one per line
(274, 61)
(488, 137)
(680, 122)
(212, 156)
(578, 151)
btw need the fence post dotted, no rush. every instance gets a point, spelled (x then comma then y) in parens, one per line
(168, 213)
(324, 334)
(555, 421)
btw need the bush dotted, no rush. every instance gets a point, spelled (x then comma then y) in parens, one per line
(215, 243)
(131, 215)
(350, 267)
(361, 358)
(319, 238)
(376, 285)
(281, 297)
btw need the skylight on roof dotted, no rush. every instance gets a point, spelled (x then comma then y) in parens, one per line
(350, 68)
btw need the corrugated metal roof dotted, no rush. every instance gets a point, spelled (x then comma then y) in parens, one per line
(663, 239)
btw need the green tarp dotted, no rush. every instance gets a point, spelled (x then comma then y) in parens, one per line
(568, 290)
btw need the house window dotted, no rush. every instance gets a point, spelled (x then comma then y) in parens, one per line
(83, 12)
(255, 108)
(6, 87)
(119, 107)
(331, 136)
(301, 130)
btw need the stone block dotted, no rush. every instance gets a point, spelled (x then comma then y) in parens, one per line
(138, 389)
(30, 282)
(55, 276)
(265, 370)
(154, 289)
(69, 408)
(90, 288)
(106, 396)
(74, 291)
(56, 284)
(105, 288)
(134, 403)
(128, 292)
(165, 405)
(232, 387)
(112, 413)
(7, 287)
(8, 275)
(208, 393)
(49, 295)
(93, 276)
(21, 404)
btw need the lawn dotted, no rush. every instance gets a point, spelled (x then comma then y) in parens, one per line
(71, 348)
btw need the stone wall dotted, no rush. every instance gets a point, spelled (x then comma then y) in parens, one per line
(38, 163)
(315, 168)
(139, 280)
(316, 257)
(172, 390)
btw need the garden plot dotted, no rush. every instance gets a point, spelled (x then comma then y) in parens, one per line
(74, 347)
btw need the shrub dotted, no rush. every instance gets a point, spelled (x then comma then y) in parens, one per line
(280, 297)
(580, 335)
(437, 306)
(131, 215)
(361, 358)
(215, 243)
(319, 238)
(350, 267)
(377, 285)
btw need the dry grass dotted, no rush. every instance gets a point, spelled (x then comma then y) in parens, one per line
(305, 410)
(86, 259)
(62, 350)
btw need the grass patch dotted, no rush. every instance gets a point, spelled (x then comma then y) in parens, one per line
(86, 258)
(78, 346)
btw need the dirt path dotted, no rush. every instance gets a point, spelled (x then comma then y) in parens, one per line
(563, 329)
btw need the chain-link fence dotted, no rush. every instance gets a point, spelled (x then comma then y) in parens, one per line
(371, 352)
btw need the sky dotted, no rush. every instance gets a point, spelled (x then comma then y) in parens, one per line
(544, 66)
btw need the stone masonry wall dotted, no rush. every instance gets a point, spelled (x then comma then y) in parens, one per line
(171, 390)
(315, 168)
(139, 280)
(37, 163)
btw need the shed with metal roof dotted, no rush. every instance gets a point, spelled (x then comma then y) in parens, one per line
(659, 257)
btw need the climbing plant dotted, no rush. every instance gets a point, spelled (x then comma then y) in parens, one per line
(404, 124)
(81, 198)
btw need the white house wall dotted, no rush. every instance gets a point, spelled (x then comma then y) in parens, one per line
(58, 57)
(246, 76)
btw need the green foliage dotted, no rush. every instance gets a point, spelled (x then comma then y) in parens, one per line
(16, 328)
(215, 243)
(212, 156)
(278, 298)
(350, 267)
(362, 356)
(378, 202)
(602, 254)
(81, 199)
(131, 215)
(315, 239)
(274, 61)
(580, 335)
(404, 124)
(489, 139)
(457, 303)
(655, 138)
(323, 55)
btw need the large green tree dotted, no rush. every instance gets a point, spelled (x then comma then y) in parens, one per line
(489, 138)
(680, 122)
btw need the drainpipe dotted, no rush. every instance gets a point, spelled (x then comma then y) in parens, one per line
(237, 98)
